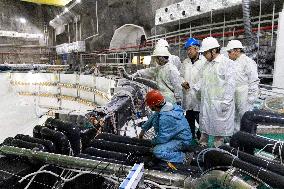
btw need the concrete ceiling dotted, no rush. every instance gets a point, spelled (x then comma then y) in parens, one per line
(50, 2)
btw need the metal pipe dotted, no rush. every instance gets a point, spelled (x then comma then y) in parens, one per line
(90, 37)
(223, 179)
(258, 32)
(224, 29)
(211, 20)
(172, 179)
(76, 31)
(97, 17)
(272, 31)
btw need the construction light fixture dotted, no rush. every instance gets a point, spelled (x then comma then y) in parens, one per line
(66, 9)
(22, 20)
(78, 1)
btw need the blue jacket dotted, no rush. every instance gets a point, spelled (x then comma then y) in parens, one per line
(169, 124)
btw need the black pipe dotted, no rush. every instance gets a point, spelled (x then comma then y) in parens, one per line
(24, 144)
(71, 130)
(215, 158)
(123, 139)
(248, 142)
(105, 154)
(251, 119)
(58, 138)
(141, 80)
(87, 136)
(36, 131)
(146, 82)
(119, 147)
(87, 156)
(266, 164)
(47, 143)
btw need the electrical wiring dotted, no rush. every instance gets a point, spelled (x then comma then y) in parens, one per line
(32, 179)
(108, 177)
(7, 172)
(52, 173)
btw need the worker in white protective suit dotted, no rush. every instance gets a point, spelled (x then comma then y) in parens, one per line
(217, 108)
(246, 80)
(190, 72)
(175, 60)
(165, 74)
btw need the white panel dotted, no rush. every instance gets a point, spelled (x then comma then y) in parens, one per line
(78, 46)
(278, 76)
(104, 84)
(49, 89)
(19, 35)
(68, 78)
(87, 80)
(48, 102)
(87, 95)
(189, 8)
(99, 100)
(67, 104)
(69, 92)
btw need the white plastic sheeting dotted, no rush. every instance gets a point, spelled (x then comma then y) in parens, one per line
(126, 36)
(278, 76)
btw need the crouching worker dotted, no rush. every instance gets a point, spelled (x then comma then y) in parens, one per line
(172, 132)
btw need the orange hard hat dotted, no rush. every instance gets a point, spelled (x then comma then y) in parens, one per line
(154, 98)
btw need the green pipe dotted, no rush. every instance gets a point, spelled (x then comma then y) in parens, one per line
(93, 165)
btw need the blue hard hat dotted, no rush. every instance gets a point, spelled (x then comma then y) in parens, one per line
(191, 42)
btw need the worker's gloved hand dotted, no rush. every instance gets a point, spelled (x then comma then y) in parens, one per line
(141, 135)
(185, 85)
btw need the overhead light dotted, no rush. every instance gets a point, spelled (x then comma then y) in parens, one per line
(22, 20)
(57, 16)
(78, 1)
(66, 9)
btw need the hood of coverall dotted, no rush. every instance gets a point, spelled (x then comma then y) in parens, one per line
(176, 113)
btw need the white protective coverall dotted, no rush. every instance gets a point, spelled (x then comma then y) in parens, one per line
(167, 78)
(175, 60)
(246, 86)
(191, 73)
(217, 108)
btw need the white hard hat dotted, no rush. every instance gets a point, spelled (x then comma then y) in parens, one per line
(162, 43)
(234, 44)
(209, 43)
(161, 51)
